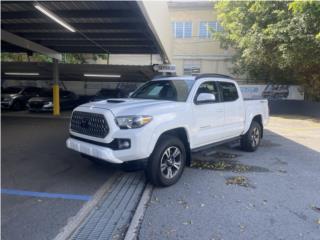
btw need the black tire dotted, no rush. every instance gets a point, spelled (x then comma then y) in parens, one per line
(167, 161)
(251, 140)
(16, 106)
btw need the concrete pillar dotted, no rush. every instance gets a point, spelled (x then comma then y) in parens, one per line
(55, 88)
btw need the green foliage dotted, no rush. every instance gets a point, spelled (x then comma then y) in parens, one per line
(275, 41)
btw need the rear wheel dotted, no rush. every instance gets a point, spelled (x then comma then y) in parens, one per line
(251, 140)
(167, 162)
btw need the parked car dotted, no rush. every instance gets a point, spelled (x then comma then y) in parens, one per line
(16, 98)
(165, 120)
(44, 101)
(106, 93)
(276, 91)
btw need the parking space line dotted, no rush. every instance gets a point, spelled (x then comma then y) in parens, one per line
(45, 194)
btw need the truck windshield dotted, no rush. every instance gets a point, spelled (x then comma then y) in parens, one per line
(172, 90)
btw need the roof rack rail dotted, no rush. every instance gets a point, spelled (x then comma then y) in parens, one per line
(217, 75)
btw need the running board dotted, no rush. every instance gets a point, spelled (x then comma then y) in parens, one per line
(198, 149)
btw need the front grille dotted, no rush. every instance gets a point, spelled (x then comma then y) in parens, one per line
(91, 124)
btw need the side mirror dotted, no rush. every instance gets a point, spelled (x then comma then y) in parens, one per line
(206, 98)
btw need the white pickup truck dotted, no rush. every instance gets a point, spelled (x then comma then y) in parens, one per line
(165, 120)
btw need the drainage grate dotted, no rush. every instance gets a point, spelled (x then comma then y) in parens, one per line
(111, 218)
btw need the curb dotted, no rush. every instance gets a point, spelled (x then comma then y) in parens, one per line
(87, 208)
(133, 229)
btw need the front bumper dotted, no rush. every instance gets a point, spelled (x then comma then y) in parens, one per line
(6, 105)
(92, 150)
(40, 109)
(142, 141)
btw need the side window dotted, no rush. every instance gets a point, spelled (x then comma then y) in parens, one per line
(229, 91)
(208, 87)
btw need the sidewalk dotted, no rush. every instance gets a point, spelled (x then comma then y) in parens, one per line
(270, 194)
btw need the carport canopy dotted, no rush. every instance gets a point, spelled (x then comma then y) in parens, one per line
(104, 27)
(77, 72)
(110, 27)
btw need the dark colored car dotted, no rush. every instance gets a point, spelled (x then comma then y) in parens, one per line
(16, 98)
(44, 101)
(107, 93)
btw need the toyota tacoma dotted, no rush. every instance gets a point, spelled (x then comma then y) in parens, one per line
(165, 120)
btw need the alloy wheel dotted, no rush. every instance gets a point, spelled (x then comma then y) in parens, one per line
(255, 136)
(170, 163)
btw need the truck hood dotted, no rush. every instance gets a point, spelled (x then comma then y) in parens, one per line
(130, 106)
(7, 95)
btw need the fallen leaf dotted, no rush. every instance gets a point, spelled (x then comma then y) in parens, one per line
(189, 222)
(317, 209)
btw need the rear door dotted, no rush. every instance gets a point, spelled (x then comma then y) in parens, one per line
(233, 109)
(208, 117)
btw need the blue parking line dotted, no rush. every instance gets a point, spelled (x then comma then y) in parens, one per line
(45, 195)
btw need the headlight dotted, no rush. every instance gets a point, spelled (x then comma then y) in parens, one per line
(47, 104)
(127, 122)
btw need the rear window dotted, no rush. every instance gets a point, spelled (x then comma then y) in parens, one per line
(229, 91)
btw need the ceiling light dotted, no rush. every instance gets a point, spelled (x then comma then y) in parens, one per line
(21, 74)
(102, 75)
(54, 17)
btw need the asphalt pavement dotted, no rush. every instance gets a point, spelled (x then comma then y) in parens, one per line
(273, 193)
(43, 183)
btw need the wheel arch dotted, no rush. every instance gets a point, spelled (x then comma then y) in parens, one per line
(258, 119)
(183, 135)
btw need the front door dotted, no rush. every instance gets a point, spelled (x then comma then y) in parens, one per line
(233, 109)
(208, 117)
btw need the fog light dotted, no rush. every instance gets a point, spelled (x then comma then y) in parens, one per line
(124, 143)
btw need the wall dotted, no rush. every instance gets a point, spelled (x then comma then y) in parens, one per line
(288, 92)
(295, 107)
(213, 59)
(157, 15)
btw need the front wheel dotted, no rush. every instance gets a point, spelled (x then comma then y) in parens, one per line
(167, 162)
(17, 105)
(251, 140)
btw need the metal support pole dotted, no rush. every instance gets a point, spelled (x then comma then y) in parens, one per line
(56, 94)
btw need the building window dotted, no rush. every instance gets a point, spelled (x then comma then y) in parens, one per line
(206, 29)
(182, 29)
(191, 67)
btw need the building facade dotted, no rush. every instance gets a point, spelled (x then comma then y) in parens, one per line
(194, 50)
